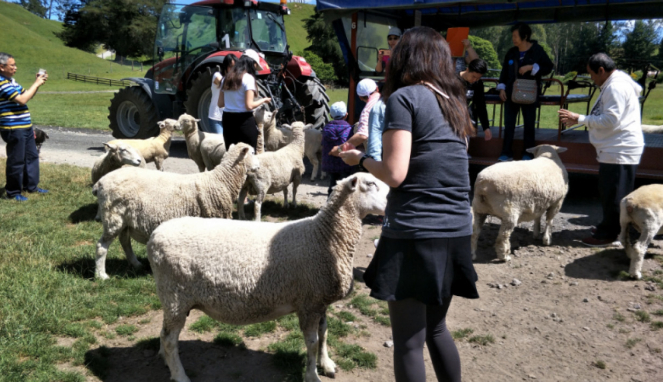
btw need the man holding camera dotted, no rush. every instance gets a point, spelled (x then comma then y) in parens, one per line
(16, 130)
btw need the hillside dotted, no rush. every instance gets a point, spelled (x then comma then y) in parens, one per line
(294, 26)
(32, 41)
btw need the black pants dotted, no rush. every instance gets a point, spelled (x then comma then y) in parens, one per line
(615, 182)
(22, 161)
(240, 127)
(412, 324)
(510, 116)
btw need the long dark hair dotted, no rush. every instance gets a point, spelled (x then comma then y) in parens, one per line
(233, 80)
(227, 62)
(422, 55)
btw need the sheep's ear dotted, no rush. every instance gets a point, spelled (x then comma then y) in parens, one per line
(560, 149)
(533, 150)
(285, 125)
(245, 151)
(197, 120)
(161, 124)
(308, 126)
(110, 146)
(352, 183)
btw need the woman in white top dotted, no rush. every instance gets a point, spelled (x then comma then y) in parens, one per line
(237, 97)
(215, 112)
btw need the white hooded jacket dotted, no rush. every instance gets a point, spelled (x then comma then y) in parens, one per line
(614, 124)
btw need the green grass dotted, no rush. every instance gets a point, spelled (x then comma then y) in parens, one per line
(346, 316)
(257, 330)
(642, 316)
(294, 25)
(229, 340)
(483, 340)
(656, 325)
(370, 307)
(462, 333)
(71, 110)
(631, 342)
(600, 364)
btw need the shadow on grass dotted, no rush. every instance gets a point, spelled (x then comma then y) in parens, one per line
(84, 268)
(85, 213)
(202, 360)
(273, 210)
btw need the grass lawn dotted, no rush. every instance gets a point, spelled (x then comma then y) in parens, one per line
(47, 290)
(72, 110)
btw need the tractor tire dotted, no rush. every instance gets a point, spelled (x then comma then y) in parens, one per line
(132, 114)
(199, 96)
(264, 93)
(316, 103)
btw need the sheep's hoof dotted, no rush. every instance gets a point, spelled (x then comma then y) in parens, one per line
(547, 240)
(504, 259)
(637, 275)
(101, 276)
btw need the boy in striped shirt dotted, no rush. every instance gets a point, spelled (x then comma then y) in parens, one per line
(16, 130)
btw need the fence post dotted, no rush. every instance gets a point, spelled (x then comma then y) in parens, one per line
(141, 66)
(132, 65)
(111, 66)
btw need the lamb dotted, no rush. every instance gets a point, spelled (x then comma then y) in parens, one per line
(520, 191)
(154, 149)
(277, 170)
(241, 272)
(275, 138)
(652, 129)
(134, 201)
(313, 150)
(212, 149)
(193, 138)
(643, 210)
(118, 155)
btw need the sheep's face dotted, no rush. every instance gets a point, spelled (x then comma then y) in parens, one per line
(169, 124)
(125, 154)
(264, 116)
(247, 156)
(542, 149)
(370, 193)
(188, 123)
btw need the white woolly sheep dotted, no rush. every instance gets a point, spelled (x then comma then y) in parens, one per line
(642, 209)
(241, 272)
(313, 150)
(118, 155)
(520, 191)
(154, 149)
(652, 129)
(134, 201)
(277, 170)
(193, 137)
(275, 138)
(212, 149)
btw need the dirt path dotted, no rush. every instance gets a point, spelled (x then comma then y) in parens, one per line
(571, 318)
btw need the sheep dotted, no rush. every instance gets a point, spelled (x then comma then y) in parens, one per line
(212, 149)
(520, 191)
(313, 150)
(277, 170)
(134, 201)
(118, 155)
(154, 149)
(193, 138)
(275, 138)
(241, 272)
(642, 209)
(652, 129)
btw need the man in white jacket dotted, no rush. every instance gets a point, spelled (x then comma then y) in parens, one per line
(615, 130)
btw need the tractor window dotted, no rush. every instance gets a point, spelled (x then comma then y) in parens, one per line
(268, 30)
(234, 29)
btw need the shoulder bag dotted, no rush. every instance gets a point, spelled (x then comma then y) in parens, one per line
(524, 91)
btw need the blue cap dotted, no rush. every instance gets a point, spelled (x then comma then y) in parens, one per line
(338, 110)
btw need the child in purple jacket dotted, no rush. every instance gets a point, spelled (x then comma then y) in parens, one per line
(336, 133)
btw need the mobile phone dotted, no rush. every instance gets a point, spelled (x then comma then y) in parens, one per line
(42, 72)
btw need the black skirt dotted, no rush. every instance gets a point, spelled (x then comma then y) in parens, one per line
(240, 127)
(427, 270)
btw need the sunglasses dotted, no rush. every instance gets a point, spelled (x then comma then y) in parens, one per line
(394, 38)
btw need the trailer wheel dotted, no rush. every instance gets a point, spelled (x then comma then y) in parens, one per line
(199, 96)
(132, 114)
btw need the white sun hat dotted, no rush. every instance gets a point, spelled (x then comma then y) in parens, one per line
(254, 55)
(366, 87)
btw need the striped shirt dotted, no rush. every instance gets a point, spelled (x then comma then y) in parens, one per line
(12, 114)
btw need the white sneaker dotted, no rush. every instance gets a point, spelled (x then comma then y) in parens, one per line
(375, 242)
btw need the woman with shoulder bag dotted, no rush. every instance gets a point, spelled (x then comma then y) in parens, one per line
(520, 84)
(423, 256)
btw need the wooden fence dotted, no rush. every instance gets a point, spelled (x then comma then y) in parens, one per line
(98, 80)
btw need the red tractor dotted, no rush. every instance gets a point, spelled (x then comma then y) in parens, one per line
(191, 43)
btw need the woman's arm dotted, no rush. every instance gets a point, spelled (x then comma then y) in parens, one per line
(249, 101)
(396, 150)
(222, 102)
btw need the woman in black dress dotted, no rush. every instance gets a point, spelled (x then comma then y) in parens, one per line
(423, 256)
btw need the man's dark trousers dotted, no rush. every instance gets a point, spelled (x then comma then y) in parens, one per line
(615, 182)
(22, 161)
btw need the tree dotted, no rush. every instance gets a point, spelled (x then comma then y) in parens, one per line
(640, 45)
(324, 44)
(325, 72)
(486, 51)
(34, 6)
(125, 26)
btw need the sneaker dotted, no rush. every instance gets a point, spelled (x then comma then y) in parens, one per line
(591, 241)
(376, 242)
(504, 158)
(18, 198)
(527, 156)
(39, 191)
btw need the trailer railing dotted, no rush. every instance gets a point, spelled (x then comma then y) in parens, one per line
(98, 80)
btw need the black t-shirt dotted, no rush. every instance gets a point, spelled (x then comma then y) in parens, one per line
(433, 200)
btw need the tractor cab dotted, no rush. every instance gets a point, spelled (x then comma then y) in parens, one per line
(188, 34)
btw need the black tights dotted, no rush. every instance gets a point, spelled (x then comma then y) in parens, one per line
(412, 324)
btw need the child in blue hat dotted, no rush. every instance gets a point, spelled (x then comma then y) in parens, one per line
(335, 133)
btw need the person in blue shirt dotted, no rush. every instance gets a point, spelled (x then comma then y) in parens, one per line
(335, 133)
(16, 130)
